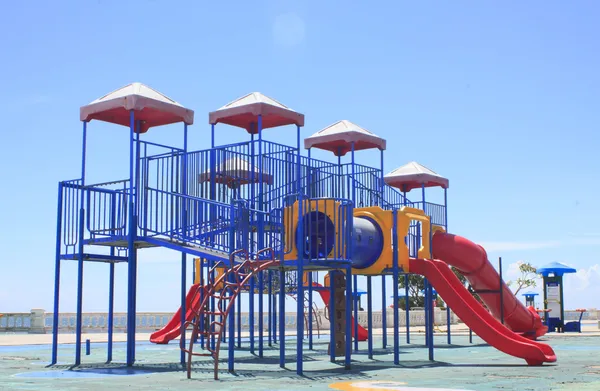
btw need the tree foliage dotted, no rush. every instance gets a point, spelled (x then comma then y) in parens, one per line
(416, 285)
(527, 279)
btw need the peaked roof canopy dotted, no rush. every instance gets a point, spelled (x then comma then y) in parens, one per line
(236, 171)
(244, 112)
(530, 293)
(414, 175)
(338, 138)
(555, 267)
(151, 107)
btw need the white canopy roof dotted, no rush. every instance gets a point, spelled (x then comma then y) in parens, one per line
(414, 175)
(338, 138)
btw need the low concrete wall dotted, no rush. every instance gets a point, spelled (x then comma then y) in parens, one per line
(37, 321)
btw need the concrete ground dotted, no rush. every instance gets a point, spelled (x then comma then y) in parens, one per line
(460, 366)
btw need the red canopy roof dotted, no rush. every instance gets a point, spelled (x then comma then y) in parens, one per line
(413, 176)
(150, 106)
(244, 112)
(338, 138)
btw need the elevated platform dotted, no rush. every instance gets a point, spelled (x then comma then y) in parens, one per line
(117, 241)
(87, 257)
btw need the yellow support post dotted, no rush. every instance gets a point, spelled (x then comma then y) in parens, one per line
(197, 270)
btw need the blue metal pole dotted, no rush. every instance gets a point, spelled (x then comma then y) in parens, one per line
(251, 246)
(353, 172)
(339, 186)
(269, 306)
(381, 185)
(261, 239)
(239, 321)
(88, 347)
(310, 313)
(429, 287)
(395, 273)
(231, 278)
(348, 320)
(251, 314)
(111, 306)
(356, 301)
(309, 194)
(212, 135)
(184, 231)
(131, 248)
(79, 319)
(383, 288)
(427, 313)
(300, 288)
(55, 315)
(83, 152)
(406, 283)
(407, 306)
(331, 315)
(282, 317)
(183, 305)
(370, 317)
(274, 319)
(383, 312)
(448, 318)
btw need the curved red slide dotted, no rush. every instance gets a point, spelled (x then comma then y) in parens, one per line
(362, 333)
(478, 318)
(172, 329)
(471, 259)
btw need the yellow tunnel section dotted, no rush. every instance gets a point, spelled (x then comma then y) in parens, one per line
(371, 244)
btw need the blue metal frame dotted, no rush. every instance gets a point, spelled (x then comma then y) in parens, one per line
(79, 316)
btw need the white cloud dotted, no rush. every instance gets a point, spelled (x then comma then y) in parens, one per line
(582, 289)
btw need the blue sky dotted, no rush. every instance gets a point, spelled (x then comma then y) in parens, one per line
(501, 98)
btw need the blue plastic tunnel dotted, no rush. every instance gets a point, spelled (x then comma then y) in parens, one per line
(367, 242)
(319, 239)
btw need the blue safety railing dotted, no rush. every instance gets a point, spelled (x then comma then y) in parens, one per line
(436, 212)
(71, 205)
(106, 208)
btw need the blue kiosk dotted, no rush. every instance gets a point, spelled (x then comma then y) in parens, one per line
(530, 298)
(552, 274)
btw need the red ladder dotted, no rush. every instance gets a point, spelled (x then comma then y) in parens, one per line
(225, 290)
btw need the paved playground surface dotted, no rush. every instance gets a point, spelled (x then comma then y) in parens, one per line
(461, 366)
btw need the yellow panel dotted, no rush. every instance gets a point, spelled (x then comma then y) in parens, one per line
(290, 222)
(419, 215)
(402, 225)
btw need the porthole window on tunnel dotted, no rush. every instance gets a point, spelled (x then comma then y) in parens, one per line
(319, 235)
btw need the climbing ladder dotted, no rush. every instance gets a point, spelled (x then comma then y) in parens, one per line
(308, 306)
(210, 323)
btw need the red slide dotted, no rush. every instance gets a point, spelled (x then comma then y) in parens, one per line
(478, 318)
(471, 259)
(172, 329)
(362, 333)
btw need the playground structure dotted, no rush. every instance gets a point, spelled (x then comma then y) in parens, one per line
(264, 219)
